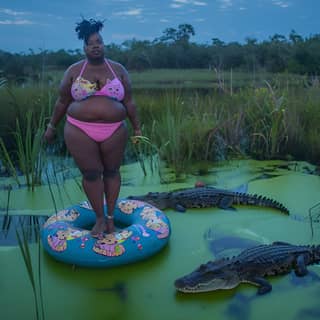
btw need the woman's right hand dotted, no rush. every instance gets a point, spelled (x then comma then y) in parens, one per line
(49, 135)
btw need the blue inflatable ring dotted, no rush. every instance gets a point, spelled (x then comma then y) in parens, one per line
(146, 231)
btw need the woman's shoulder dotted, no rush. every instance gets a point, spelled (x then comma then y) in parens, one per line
(77, 65)
(73, 71)
(117, 66)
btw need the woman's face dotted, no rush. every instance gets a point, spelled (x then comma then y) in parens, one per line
(94, 49)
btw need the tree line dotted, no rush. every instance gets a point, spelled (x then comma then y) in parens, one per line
(174, 49)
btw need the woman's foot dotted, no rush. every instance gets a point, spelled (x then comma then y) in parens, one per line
(98, 228)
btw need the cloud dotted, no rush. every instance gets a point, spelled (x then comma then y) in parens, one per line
(199, 3)
(10, 12)
(281, 4)
(180, 3)
(225, 4)
(15, 22)
(130, 12)
(15, 17)
(175, 5)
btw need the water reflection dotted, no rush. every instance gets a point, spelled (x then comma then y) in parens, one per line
(119, 288)
(10, 224)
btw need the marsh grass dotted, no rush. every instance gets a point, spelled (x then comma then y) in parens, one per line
(21, 144)
(186, 119)
(30, 151)
(269, 122)
(8, 162)
(146, 152)
(6, 220)
(188, 127)
(28, 154)
(34, 276)
(54, 175)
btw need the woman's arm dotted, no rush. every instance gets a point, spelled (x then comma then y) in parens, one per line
(61, 106)
(130, 104)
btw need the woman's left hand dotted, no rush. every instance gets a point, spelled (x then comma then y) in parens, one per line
(136, 133)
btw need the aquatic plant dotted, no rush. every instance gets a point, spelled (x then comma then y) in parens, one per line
(179, 128)
(29, 152)
(35, 278)
(146, 151)
(8, 162)
(268, 120)
(262, 116)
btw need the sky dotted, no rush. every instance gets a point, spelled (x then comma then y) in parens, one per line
(49, 25)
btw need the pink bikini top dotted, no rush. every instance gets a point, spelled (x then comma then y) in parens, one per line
(82, 88)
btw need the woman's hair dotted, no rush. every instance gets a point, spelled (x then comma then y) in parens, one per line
(86, 28)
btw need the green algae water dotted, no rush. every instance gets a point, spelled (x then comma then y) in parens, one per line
(145, 290)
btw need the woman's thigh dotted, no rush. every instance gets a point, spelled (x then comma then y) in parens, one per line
(84, 150)
(112, 149)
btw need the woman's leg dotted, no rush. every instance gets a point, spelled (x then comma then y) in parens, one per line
(112, 151)
(86, 155)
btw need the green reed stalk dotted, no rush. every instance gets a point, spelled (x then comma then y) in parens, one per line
(25, 251)
(143, 147)
(51, 192)
(8, 162)
(56, 181)
(180, 129)
(29, 149)
(169, 131)
(278, 130)
(268, 118)
(139, 157)
(7, 217)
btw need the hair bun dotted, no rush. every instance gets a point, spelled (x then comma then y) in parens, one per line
(86, 28)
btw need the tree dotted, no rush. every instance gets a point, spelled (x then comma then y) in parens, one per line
(295, 38)
(172, 35)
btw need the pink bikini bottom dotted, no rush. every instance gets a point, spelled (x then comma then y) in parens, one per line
(97, 131)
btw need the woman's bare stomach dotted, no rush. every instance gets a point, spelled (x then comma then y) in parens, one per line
(97, 109)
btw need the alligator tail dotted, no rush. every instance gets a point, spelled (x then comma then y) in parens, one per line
(258, 200)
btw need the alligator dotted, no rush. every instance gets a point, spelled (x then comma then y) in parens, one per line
(250, 266)
(202, 197)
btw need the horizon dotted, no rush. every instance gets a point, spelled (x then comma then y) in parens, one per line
(32, 51)
(44, 25)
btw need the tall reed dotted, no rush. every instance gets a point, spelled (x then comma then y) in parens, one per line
(29, 152)
(35, 278)
(178, 125)
(267, 115)
(277, 118)
(29, 149)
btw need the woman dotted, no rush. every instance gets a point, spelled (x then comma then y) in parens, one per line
(95, 96)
